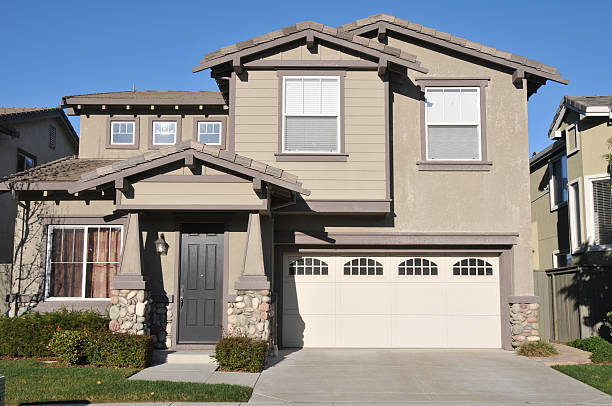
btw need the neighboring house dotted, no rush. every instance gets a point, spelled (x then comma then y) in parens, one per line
(360, 186)
(571, 213)
(29, 136)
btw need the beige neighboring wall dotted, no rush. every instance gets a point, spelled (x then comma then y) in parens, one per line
(96, 127)
(174, 193)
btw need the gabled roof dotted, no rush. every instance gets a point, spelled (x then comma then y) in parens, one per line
(310, 29)
(586, 106)
(147, 97)
(8, 114)
(455, 43)
(547, 152)
(185, 150)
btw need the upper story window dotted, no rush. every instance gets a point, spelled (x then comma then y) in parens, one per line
(123, 133)
(571, 135)
(574, 215)
(453, 127)
(561, 259)
(311, 114)
(82, 260)
(601, 211)
(25, 161)
(164, 132)
(209, 132)
(558, 182)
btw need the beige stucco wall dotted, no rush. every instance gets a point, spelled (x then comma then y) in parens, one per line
(174, 193)
(33, 139)
(96, 132)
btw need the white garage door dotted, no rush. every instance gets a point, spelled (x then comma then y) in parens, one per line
(391, 301)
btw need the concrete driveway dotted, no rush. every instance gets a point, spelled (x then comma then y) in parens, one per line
(427, 376)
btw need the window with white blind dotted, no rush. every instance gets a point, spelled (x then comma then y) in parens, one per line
(453, 128)
(311, 114)
(122, 133)
(602, 211)
(164, 132)
(558, 182)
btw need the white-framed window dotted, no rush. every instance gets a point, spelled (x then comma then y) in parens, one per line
(311, 114)
(122, 133)
(452, 123)
(598, 204)
(572, 138)
(558, 182)
(561, 259)
(574, 215)
(164, 132)
(82, 261)
(209, 132)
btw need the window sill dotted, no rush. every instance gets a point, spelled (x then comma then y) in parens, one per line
(572, 152)
(472, 166)
(124, 146)
(287, 157)
(557, 207)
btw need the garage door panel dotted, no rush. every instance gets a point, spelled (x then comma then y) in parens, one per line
(474, 332)
(309, 331)
(353, 298)
(419, 331)
(417, 298)
(477, 299)
(363, 331)
(309, 298)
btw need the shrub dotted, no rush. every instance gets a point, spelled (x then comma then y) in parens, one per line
(29, 335)
(69, 345)
(600, 349)
(537, 349)
(118, 350)
(241, 354)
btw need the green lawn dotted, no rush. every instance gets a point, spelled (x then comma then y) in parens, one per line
(35, 381)
(597, 375)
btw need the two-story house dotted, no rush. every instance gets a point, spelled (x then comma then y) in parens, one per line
(29, 136)
(571, 213)
(359, 186)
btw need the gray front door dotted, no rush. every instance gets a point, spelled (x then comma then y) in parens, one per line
(201, 288)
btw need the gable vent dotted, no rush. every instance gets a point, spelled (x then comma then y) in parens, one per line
(52, 137)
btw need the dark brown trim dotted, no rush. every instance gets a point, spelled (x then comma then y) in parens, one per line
(399, 238)
(222, 120)
(231, 141)
(226, 242)
(482, 166)
(196, 179)
(169, 119)
(85, 100)
(132, 119)
(440, 165)
(323, 64)
(289, 157)
(338, 207)
(388, 158)
(296, 157)
(177, 288)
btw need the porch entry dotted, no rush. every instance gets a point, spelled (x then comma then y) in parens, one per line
(200, 284)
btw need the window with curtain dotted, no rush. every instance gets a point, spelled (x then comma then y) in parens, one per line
(452, 116)
(82, 260)
(311, 114)
(164, 133)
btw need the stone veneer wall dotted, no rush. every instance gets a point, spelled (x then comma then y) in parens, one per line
(249, 314)
(160, 322)
(129, 311)
(524, 321)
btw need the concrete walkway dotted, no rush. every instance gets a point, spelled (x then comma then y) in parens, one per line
(567, 356)
(191, 366)
(419, 377)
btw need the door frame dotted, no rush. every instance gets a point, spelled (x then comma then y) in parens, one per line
(178, 237)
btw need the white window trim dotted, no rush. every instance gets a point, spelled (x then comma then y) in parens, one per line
(551, 185)
(575, 228)
(555, 253)
(220, 131)
(113, 133)
(84, 270)
(590, 215)
(479, 124)
(338, 150)
(569, 127)
(153, 129)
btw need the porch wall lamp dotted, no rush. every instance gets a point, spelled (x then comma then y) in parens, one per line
(161, 246)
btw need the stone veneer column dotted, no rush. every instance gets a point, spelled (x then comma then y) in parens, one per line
(524, 319)
(130, 301)
(250, 312)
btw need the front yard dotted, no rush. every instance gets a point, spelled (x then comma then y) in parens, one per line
(36, 381)
(598, 376)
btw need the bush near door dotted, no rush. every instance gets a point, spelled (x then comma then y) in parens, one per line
(600, 349)
(241, 354)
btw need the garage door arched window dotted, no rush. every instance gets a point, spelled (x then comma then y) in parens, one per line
(308, 266)
(363, 266)
(417, 266)
(473, 266)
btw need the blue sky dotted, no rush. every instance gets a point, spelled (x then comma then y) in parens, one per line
(56, 48)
